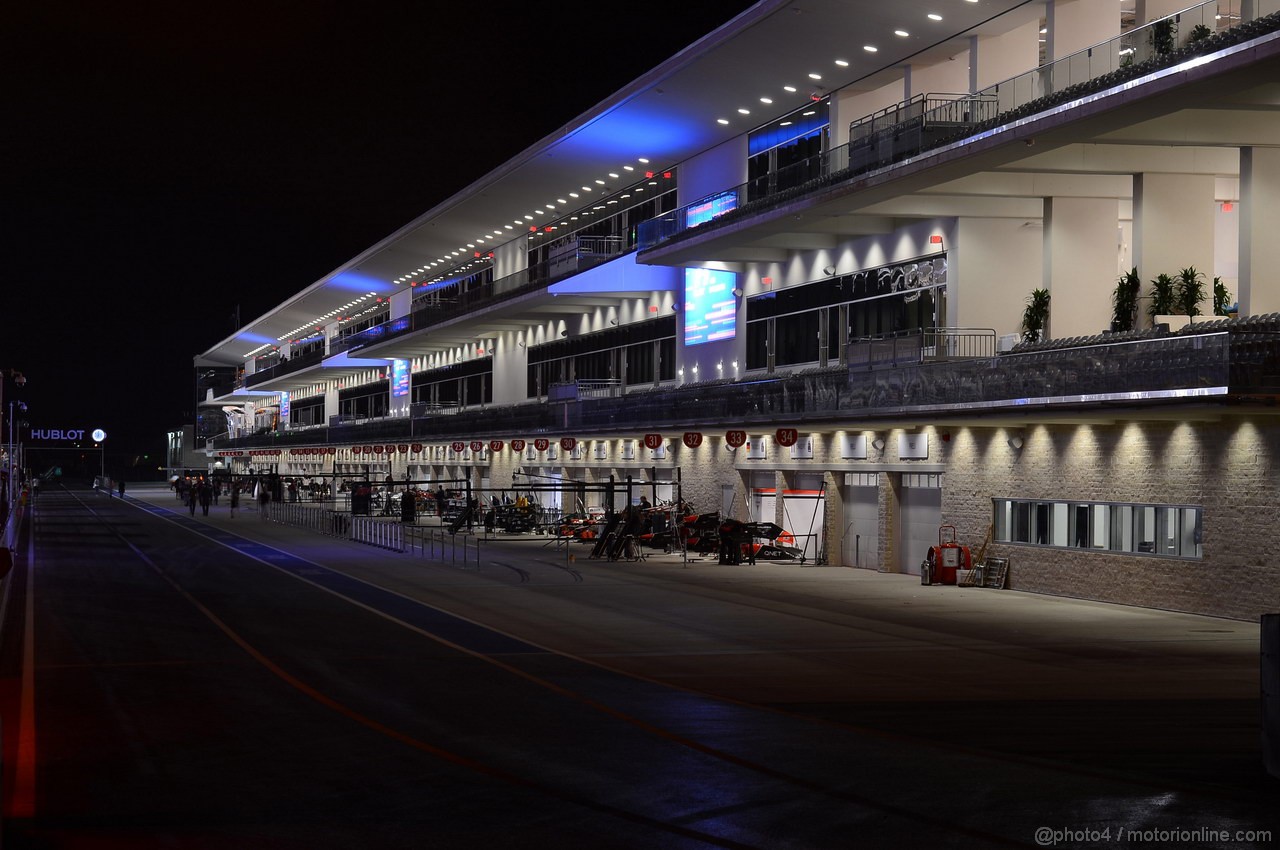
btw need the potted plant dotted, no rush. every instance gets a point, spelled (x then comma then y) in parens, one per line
(1124, 301)
(1190, 291)
(1199, 33)
(1035, 317)
(1162, 296)
(1221, 298)
(1164, 34)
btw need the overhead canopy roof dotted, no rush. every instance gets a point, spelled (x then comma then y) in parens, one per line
(666, 116)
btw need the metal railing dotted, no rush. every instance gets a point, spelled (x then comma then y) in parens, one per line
(573, 390)
(931, 344)
(900, 132)
(383, 533)
(1133, 370)
(439, 545)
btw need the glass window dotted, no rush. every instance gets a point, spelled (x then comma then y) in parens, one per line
(1173, 531)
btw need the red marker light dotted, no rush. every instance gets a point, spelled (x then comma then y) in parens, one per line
(935, 239)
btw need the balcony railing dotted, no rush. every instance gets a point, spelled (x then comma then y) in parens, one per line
(286, 367)
(1133, 371)
(901, 132)
(932, 344)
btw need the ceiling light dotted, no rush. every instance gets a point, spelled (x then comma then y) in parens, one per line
(1044, 30)
(744, 111)
(471, 244)
(611, 174)
(766, 100)
(586, 188)
(642, 159)
(842, 63)
(627, 168)
(934, 17)
(901, 33)
(507, 226)
(573, 195)
(791, 89)
(600, 182)
(815, 76)
(869, 48)
(810, 112)
(528, 218)
(722, 120)
(785, 124)
(551, 206)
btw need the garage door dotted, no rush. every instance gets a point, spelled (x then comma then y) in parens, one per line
(860, 542)
(920, 511)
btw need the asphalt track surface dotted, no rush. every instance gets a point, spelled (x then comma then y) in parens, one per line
(218, 683)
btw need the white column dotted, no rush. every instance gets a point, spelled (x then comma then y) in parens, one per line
(1173, 224)
(994, 59)
(1259, 224)
(1080, 244)
(330, 401)
(1146, 11)
(510, 257)
(1077, 24)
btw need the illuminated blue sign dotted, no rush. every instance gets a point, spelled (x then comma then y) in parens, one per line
(399, 378)
(710, 308)
(709, 208)
(284, 407)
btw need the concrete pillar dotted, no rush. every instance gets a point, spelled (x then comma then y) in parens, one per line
(994, 59)
(1173, 225)
(1077, 24)
(1146, 11)
(1080, 263)
(1259, 223)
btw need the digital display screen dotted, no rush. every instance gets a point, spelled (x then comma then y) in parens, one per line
(709, 208)
(710, 308)
(399, 378)
(284, 407)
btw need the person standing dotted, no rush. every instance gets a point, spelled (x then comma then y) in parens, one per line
(120, 486)
(206, 496)
(235, 498)
(193, 497)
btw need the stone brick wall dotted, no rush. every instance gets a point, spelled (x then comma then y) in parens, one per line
(1223, 466)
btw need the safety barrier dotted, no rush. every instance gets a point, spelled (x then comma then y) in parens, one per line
(312, 518)
(461, 550)
(434, 544)
(385, 534)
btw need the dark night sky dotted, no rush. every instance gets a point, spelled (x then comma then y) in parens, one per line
(164, 162)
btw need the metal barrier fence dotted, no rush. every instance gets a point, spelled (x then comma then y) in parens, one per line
(435, 544)
(311, 517)
(438, 544)
(383, 533)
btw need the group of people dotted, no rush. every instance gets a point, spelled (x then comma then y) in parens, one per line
(198, 491)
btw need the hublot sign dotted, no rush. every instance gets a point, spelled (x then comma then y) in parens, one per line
(57, 434)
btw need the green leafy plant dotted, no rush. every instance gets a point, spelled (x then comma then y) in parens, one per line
(1199, 33)
(1189, 292)
(1035, 317)
(1221, 297)
(1124, 301)
(1164, 34)
(1163, 294)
